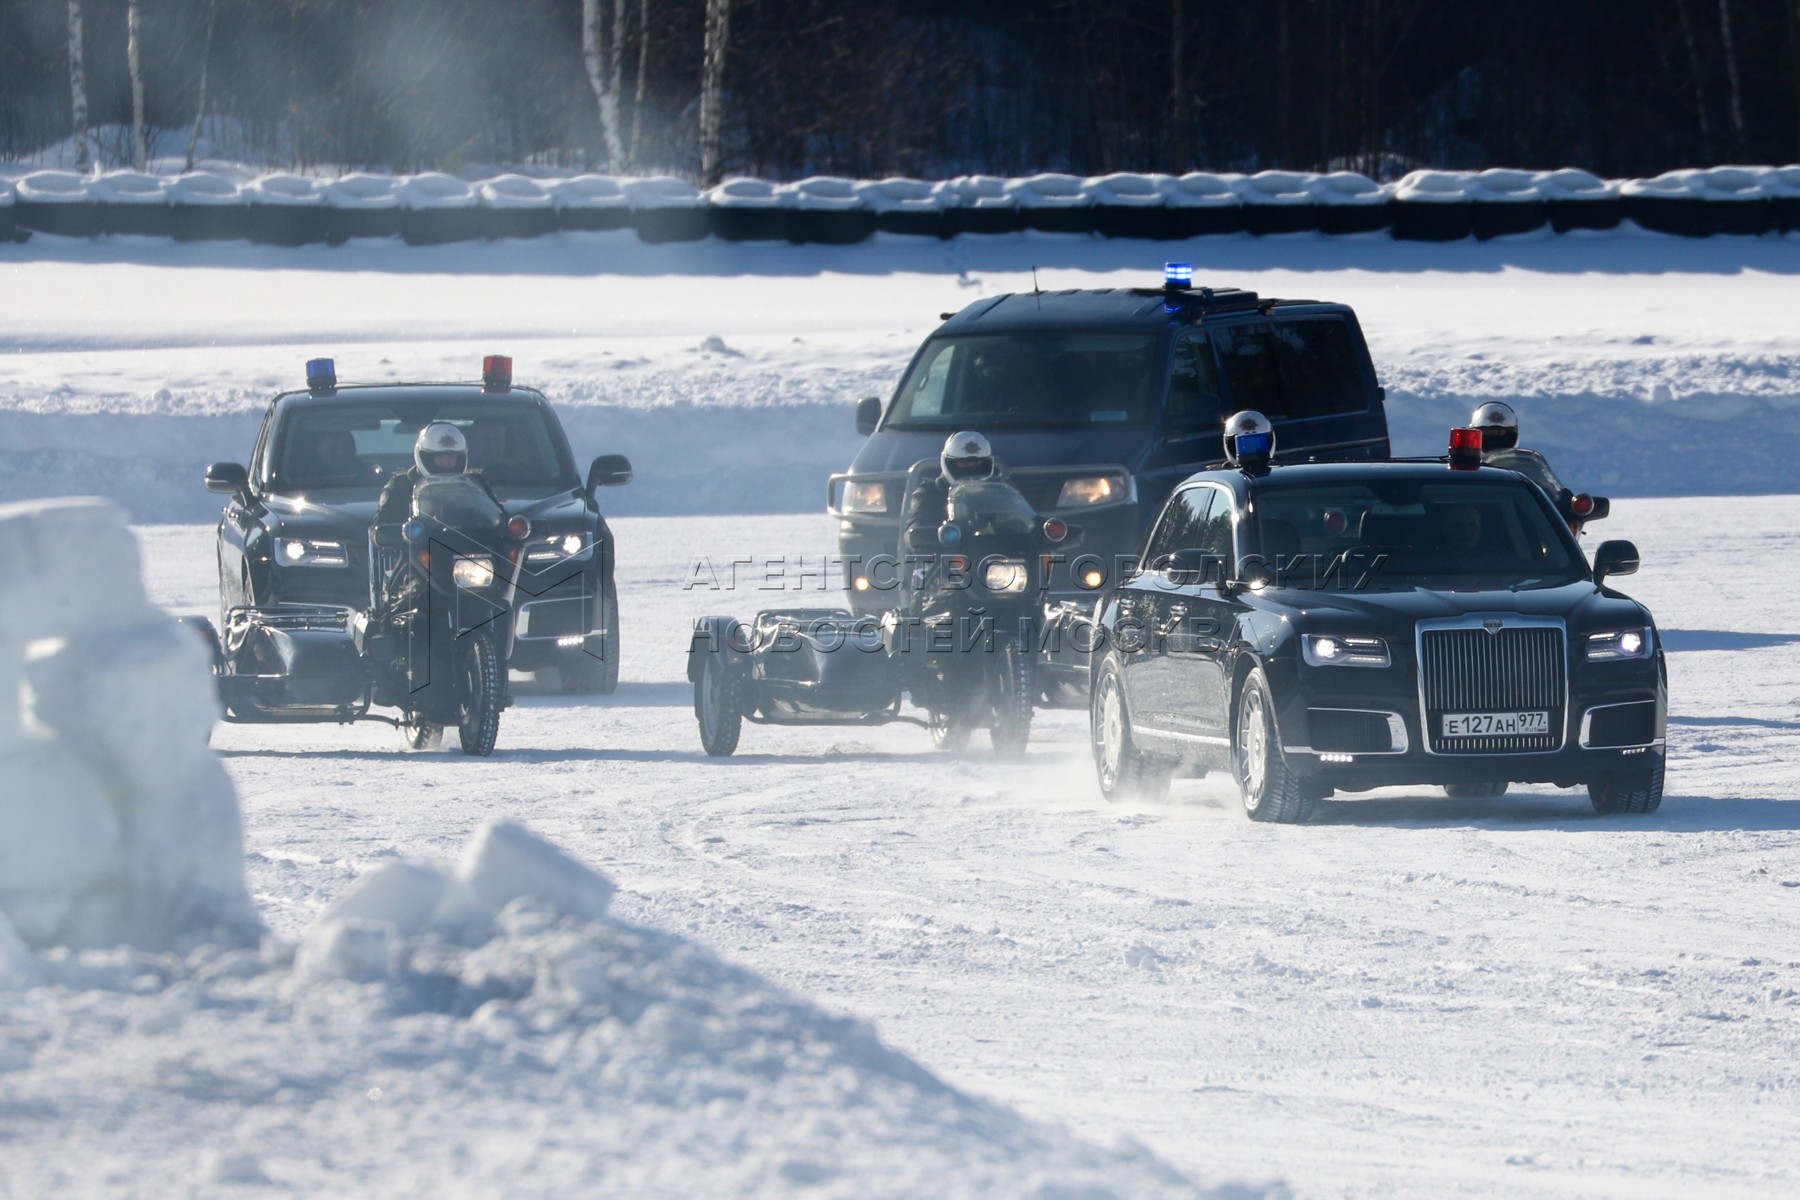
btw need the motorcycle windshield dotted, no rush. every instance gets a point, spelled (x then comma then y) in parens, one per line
(457, 502)
(986, 507)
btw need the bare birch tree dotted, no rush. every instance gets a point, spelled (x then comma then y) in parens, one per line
(1731, 75)
(712, 86)
(603, 59)
(78, 87)
(212, 14)
(140, 147)
(1693, 49)
(643, 75)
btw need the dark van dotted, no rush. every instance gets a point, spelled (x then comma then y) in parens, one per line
(1099, 402)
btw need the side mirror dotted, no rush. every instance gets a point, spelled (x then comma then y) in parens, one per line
(868, 414)
(227, 478)
(1615, 558)
(609, 470)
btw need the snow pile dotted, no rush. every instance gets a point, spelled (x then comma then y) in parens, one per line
(117, 825)
(579, 1055)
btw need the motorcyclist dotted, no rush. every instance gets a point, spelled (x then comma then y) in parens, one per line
(1500, 447)
(440, 451)
(925, 505)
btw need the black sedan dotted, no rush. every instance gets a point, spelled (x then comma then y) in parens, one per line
(295, 528)
(1344, 627)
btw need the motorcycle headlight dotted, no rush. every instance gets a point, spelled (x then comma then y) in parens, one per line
(305, 552)
(1085, 490)
(865, 497)
(1005, 575)
(1620, 644)
(1334, 650)
(472, 573)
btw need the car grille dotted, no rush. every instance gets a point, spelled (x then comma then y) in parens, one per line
(1469, 670)
(1349, 731)
(556, 618)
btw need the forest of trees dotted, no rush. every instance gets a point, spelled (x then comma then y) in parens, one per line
(927, 88)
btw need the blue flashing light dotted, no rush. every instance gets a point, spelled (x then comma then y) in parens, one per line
(1255, 445)
(415, 530)
(1178, 275)
(321, 374)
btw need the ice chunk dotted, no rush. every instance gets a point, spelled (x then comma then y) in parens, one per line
(359, 951)
(505, 861)
(403, 894)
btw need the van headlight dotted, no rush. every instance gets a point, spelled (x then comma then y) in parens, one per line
(305, 552)
(1335, 650)
(472, 573)
(1086, 490)
(1005, 575)
(1620, 644)
(865, 496)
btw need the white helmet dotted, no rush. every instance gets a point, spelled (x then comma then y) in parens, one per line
(966, 455)
(1499, 425)
(438, 438)
(1247, 422)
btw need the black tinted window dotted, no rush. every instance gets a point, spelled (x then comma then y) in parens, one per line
(1047, 380)
(1291, 369)
(358, 445)
(1194, 391)
(1187, 524)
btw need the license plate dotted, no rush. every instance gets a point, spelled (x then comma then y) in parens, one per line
(1495, 724)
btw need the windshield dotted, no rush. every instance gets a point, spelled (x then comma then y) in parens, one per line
(354, 447)
(990, 506)
(1048, 380)
(1401, 533)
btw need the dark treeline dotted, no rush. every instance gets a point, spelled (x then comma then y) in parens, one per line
(932, 87)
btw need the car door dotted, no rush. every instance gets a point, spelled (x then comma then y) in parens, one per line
(1148, 602)
(1203, 625)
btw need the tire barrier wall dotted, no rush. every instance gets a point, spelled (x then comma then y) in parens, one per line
(1433, 206)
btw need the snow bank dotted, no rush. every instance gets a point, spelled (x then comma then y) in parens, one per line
(489, 1029)
(117, 825)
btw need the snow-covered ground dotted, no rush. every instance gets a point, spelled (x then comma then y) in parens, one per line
(728, 371)
(1412, 996)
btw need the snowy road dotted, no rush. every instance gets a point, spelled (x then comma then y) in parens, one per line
(1411, 996)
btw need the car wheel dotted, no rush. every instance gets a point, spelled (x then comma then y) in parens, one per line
(1270, 789)
(1637, 790)
(1475, 791)
(479, 697)
(719, 706)
(1126, 773)
(1011, 730)
(583, 674)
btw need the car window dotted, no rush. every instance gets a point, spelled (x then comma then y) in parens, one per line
(1194, 391)
(1291, 370)
(1184, 525)
(357, 446)
(1057, 379)
(1413, 533)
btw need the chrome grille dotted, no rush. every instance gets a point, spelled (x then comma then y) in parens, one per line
(1520, 668)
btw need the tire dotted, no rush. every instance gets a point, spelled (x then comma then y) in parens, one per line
(949, 731)
(1639, 790)
(584, 675)
(1271, 791)
(422, 735)
(1011, 730)
(719, 706)
(479, 691)
(1475, 791)
(1125, 772)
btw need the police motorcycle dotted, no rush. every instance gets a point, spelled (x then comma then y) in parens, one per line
(433, 643)
(962, 644)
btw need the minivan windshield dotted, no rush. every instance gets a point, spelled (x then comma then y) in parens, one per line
(1402, 533)
(355, 447)
(1044, 379)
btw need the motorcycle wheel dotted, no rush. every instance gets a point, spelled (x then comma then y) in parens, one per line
(1013, 694)
(478, 697)
(719, 707)
(421, 735)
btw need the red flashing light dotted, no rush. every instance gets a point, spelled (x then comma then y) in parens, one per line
(518, 528)
(1465, 449)
(1056, 529)
(1581, 504)
(496, 372)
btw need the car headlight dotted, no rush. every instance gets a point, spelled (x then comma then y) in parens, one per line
(472, 572)
(1620, 644)
(1336, 650)
(1005, 575)
(1084, 490)
(865, 497)
(305, 552)
(555, 549)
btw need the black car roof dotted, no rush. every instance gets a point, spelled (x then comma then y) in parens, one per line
(1149, 310)
(431, 392)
